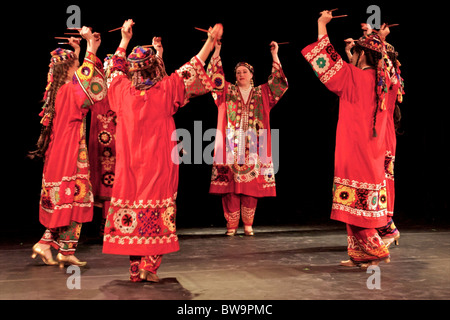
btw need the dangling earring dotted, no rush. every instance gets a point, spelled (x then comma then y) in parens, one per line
(252, 83)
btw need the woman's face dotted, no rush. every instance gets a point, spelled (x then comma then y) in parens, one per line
(243, 76)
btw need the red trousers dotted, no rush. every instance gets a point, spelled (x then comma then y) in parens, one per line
(63, 239)
(237, 205)
(365, 245)
(148, 263)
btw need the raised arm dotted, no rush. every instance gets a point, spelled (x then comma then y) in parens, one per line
(277, 83)
(349, 44)
(127, 34)
(325, 18)
(156, 42)
(326, 62)
(90, 75)
(75, 44)
(93, 40)
(274, 51)
(214, 36)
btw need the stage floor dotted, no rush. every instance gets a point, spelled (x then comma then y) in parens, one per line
(278, 263)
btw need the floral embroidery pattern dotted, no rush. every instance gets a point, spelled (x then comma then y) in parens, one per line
(359, 200)
(321, 63)
(125, 221)
(148, 222)
(324, 67)
(389, 161)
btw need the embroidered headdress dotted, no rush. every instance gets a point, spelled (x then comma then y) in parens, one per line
(388, 71)
(244, 64)
(140, 59)
(249, 67)
(59, 56)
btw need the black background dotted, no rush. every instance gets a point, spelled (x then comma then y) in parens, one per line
(306, 116)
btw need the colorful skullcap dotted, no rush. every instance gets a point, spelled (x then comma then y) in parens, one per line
(59, 56)
(140, 58)
(244, 64)
(373, 42)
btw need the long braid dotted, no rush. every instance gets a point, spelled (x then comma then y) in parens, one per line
(374, 130)
(60, 73)
(373, 59)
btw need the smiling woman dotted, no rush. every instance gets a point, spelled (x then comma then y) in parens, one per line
(243, 169)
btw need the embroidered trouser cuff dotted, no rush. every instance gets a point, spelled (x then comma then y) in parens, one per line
(148, 263)
(365, 245)
(237, 205)
(63, 239)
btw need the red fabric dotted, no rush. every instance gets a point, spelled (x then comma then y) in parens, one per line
(66, 190)
(359, 189)
(102, 151)
(141, 219)
(365, 245)
(64, 239)
(148, 263)
(389, 161)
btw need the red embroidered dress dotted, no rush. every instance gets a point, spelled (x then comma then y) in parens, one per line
(389, 161)
(360, 189)
(102, 150)
(141, 218)
(243, 152)
(66, 190)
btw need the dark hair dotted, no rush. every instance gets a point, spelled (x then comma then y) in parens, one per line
(372, 59)
(60, 72)
(146, 78)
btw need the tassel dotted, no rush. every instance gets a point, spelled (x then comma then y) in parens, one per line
(374, 132)
(45, 121)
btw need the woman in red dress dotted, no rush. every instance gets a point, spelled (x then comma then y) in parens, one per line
(141, 218)
(368, 89)
(389, 233)
(66, 196)
(243, 170)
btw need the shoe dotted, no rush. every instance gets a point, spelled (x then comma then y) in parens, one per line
(231, 232)
(365, 266)
(148, 276)
(48, 260)
(397, 236)
(70, 259)
(348, 263)
(389, 240)
(249, 233)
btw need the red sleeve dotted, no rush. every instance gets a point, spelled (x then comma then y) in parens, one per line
(118, 82)
(217, 75)
(329, 67)
(276, 87)
(89, 82)
(195, 79)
